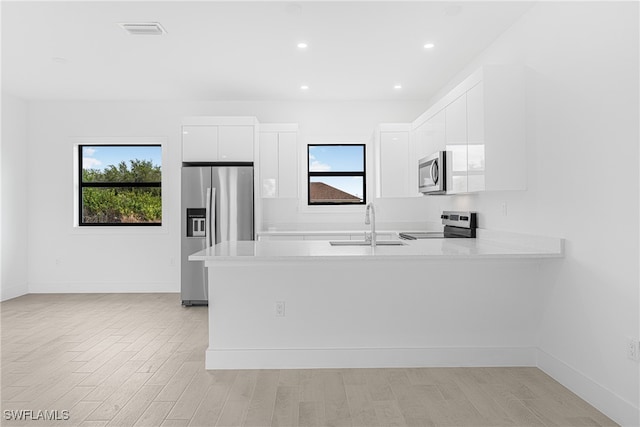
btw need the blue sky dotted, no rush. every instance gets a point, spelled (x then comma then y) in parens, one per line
(99, 157)
(338, 158)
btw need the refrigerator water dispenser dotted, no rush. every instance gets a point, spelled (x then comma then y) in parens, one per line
(196, 222)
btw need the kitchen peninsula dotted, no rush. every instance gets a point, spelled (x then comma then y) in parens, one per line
(436, 302)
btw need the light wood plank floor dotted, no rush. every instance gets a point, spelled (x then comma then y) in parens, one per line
(138, 360)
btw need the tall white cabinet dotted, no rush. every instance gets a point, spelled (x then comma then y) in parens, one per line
(393, 161)
(218, 139)
(278, 146)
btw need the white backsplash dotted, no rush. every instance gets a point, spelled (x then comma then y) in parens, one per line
(401, 214)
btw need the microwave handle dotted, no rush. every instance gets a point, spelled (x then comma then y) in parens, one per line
(434, 171)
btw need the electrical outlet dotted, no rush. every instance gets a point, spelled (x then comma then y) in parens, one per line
(633, 349)
(280, 308)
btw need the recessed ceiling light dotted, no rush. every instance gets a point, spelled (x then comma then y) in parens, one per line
(59, 60)
(143, 28)
(304, 87)
(302, 45)
(397, 87)
(429, 46)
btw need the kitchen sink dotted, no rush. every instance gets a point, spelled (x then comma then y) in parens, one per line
(365, 243)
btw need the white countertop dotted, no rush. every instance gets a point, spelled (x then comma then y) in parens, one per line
(480, 248)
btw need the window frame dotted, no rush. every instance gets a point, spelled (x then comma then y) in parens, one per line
(362, 174)
(82, 185)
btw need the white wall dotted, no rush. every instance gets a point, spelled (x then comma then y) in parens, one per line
(13, 223)
(88, 260)
(582, 136)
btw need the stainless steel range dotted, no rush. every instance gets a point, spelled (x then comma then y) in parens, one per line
(456, 225)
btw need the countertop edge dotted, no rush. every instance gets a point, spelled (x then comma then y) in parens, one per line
(488, 246)
(352, 258)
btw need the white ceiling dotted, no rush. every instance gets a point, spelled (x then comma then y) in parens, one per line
(244, 50)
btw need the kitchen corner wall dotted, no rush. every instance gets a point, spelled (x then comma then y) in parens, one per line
(63, 258)
(13, 198)
(582, 139)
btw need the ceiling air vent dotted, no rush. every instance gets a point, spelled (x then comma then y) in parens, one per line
(144, 29)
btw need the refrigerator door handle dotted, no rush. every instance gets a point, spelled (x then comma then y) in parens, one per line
(207, 219)
(211, 215)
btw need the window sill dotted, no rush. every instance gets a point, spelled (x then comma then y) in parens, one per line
(331, 209)
(127, 230)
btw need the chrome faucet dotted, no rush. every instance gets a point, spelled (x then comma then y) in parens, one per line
(370, 218)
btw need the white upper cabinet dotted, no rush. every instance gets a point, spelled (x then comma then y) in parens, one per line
(268, 142)
(434, 135)
(235, 143)
(475, 139)
(456, 144)
(394, 171)
(484, 131)
(218, 139)
(279, 160)
(287, 164)
(503, 118)
(199, 143)
(394, 164)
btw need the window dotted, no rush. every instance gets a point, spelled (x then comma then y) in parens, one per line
(120, 185)
(336, 174)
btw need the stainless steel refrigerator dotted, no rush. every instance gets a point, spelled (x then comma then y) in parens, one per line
(217, 206)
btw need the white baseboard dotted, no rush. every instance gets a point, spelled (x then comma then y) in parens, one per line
(606, 401)
(368, 357)
(11, 292)
(102, 287)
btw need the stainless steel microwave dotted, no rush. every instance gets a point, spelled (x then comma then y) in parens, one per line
(432, 173)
